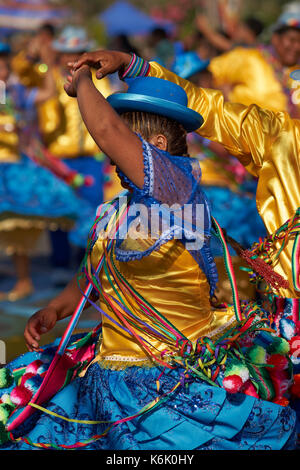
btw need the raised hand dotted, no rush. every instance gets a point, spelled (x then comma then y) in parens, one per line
(105, 62)
(38, 324)
(72, 80)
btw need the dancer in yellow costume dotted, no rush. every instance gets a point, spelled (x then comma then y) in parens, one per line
(22, 222)
(261, 75)
(32, 198)
(62, 131)
(229, 187)
(154, 297)
(264, 141)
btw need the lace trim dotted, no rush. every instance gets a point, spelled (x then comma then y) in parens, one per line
(221, 329)
(117, 362)
(210, 268)
(147, 189)
(150, 171)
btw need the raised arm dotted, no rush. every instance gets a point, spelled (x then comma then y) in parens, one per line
(62, 306)
(217, 40)
(106, 127)
(248, 132)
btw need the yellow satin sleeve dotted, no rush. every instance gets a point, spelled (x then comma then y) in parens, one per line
(173, 283)
(9, 139)
(267, 143)
(252, 79)
(29, 74)
(61, 123)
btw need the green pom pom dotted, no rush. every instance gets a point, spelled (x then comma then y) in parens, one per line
(236, 367)
(78, 180)
(262, 381)
(6, 378)
(6, 399)
(278, 346)
(100, 157)
(4, 436)
(5, 412)
(257, 354)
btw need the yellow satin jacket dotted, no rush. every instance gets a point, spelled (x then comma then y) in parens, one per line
(30, 75)
(60, 121)
(61, 124)
(252, 79)
(9, 139)
(171, 280)
(267, 143)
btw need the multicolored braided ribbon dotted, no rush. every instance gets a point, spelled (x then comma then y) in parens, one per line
(267, 251)
(206, 359)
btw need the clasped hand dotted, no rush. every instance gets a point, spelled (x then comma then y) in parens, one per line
(105, 63)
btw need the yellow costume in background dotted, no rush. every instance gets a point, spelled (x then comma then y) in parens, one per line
(267, 143)
(9, 139)
(25, 212)
(252, 78)
(17, 234)
(61, 125)
(30, 75)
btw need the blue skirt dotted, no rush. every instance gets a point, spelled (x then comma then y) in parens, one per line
(197, 416)
(237, 214)
(28, 190)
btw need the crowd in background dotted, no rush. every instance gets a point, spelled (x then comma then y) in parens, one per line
(202, 339)
(61, 175)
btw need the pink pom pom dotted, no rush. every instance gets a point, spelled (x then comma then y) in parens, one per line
(281, 382)
(249, 389)
(20, 395)
(279, 361)
(25, 377)
(295, 390)
(33, 367)
(232, 383)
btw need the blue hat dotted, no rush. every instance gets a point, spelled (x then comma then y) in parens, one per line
(157, 96)
(72, 40)
(287, 20)
(4, 48)
(295, 75)
(189, 63)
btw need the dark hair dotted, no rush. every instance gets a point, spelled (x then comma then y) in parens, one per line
(48, 28)
(122, 43)
(285, 28)
(159, 33)
(255, 25)
(5, 55)
(149, 125)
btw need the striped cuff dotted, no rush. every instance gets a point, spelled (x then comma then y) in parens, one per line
(137, 67)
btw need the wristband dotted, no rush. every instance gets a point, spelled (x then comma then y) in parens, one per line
(205, 142)
(137, 67)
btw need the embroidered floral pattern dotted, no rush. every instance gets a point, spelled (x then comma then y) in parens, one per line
(112, 395)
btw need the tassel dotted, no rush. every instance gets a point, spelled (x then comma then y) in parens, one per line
(275, 280)
(263, 269)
